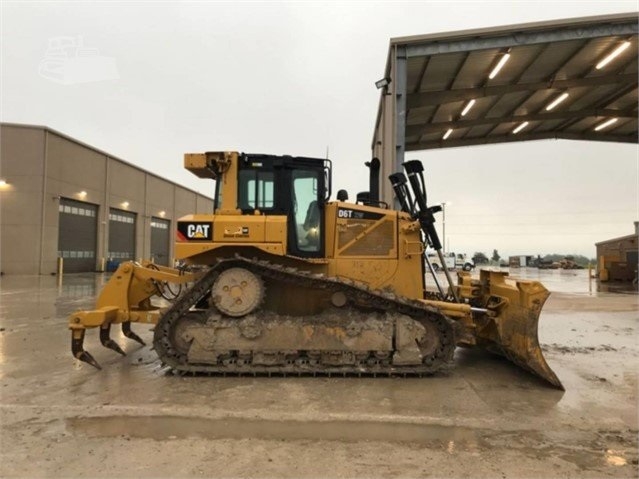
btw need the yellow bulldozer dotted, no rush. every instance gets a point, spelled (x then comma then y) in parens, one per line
(281, 280)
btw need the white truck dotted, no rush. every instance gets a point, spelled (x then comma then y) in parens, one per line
(453, 261)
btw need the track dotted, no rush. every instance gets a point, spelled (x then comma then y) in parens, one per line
(360, 301)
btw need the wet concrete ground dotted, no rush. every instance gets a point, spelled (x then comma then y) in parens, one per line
(484, 418)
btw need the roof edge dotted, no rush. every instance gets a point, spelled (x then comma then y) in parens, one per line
(505, 29)
(621, 238)
(98, 150)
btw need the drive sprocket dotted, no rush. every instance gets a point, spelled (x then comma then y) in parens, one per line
(237, 292)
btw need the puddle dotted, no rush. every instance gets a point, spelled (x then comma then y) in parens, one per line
(176, 427)
(584, 452)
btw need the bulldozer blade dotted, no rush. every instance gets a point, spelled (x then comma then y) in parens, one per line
(107, 342)
(77, 349)
(126, 330)
(529, 356)
(512, 330)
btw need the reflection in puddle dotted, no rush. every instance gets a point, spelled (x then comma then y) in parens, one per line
(451, 447)
(614, 459)
(455, 440)
(617, 287)
(76, 292)
(173, 427)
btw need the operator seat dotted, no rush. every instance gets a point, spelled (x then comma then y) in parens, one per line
(312, 216)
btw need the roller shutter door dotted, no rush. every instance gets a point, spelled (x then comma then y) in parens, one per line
(77, 235)
(160, 241)
(121, 237)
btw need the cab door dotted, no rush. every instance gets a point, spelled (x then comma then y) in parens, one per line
(306, 220)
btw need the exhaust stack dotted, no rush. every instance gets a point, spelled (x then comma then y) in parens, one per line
(373, 182)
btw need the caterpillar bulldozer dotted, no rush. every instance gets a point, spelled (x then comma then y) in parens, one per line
(280, 279)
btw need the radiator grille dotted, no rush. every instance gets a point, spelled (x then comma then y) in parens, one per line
(378, 241)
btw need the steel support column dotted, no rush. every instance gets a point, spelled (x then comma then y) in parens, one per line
(399, 82)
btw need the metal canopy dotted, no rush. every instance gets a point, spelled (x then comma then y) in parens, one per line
(432, 79)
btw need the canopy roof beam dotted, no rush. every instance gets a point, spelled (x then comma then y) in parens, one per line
(553, 115)
(417, 100)
(589, 135)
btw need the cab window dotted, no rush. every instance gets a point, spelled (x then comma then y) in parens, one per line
(256, 190)
(307, 212)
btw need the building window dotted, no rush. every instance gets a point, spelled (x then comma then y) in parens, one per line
(157, 224)
(121, 218)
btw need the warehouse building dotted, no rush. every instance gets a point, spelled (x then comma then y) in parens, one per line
(521, 261)
(61, 198)
(618, 258)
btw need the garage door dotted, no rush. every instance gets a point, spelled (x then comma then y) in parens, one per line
(77, 235)
(121, 237)
(160, 240)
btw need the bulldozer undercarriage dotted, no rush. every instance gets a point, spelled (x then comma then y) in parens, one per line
(227, 323)
(248, 317)
(356, 331)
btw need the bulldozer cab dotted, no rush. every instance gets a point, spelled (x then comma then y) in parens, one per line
(295, 187)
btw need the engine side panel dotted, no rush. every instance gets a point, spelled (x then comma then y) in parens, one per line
(198, 235)
(375, 246)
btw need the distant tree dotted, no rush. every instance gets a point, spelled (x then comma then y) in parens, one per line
(496, 256)
(480, 258)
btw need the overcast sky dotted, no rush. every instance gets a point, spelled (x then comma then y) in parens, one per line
(298, 78)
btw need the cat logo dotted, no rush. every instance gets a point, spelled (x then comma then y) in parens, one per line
(195, 231)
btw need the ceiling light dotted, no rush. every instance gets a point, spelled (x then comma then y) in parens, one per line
(606, 124)
(614, 54)
(520, 127)
(500, 64)
(447, 134)
(557, 101)
(162, 213)
(468, 106)
(82, 194)
(125, 204)
(3, 183)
